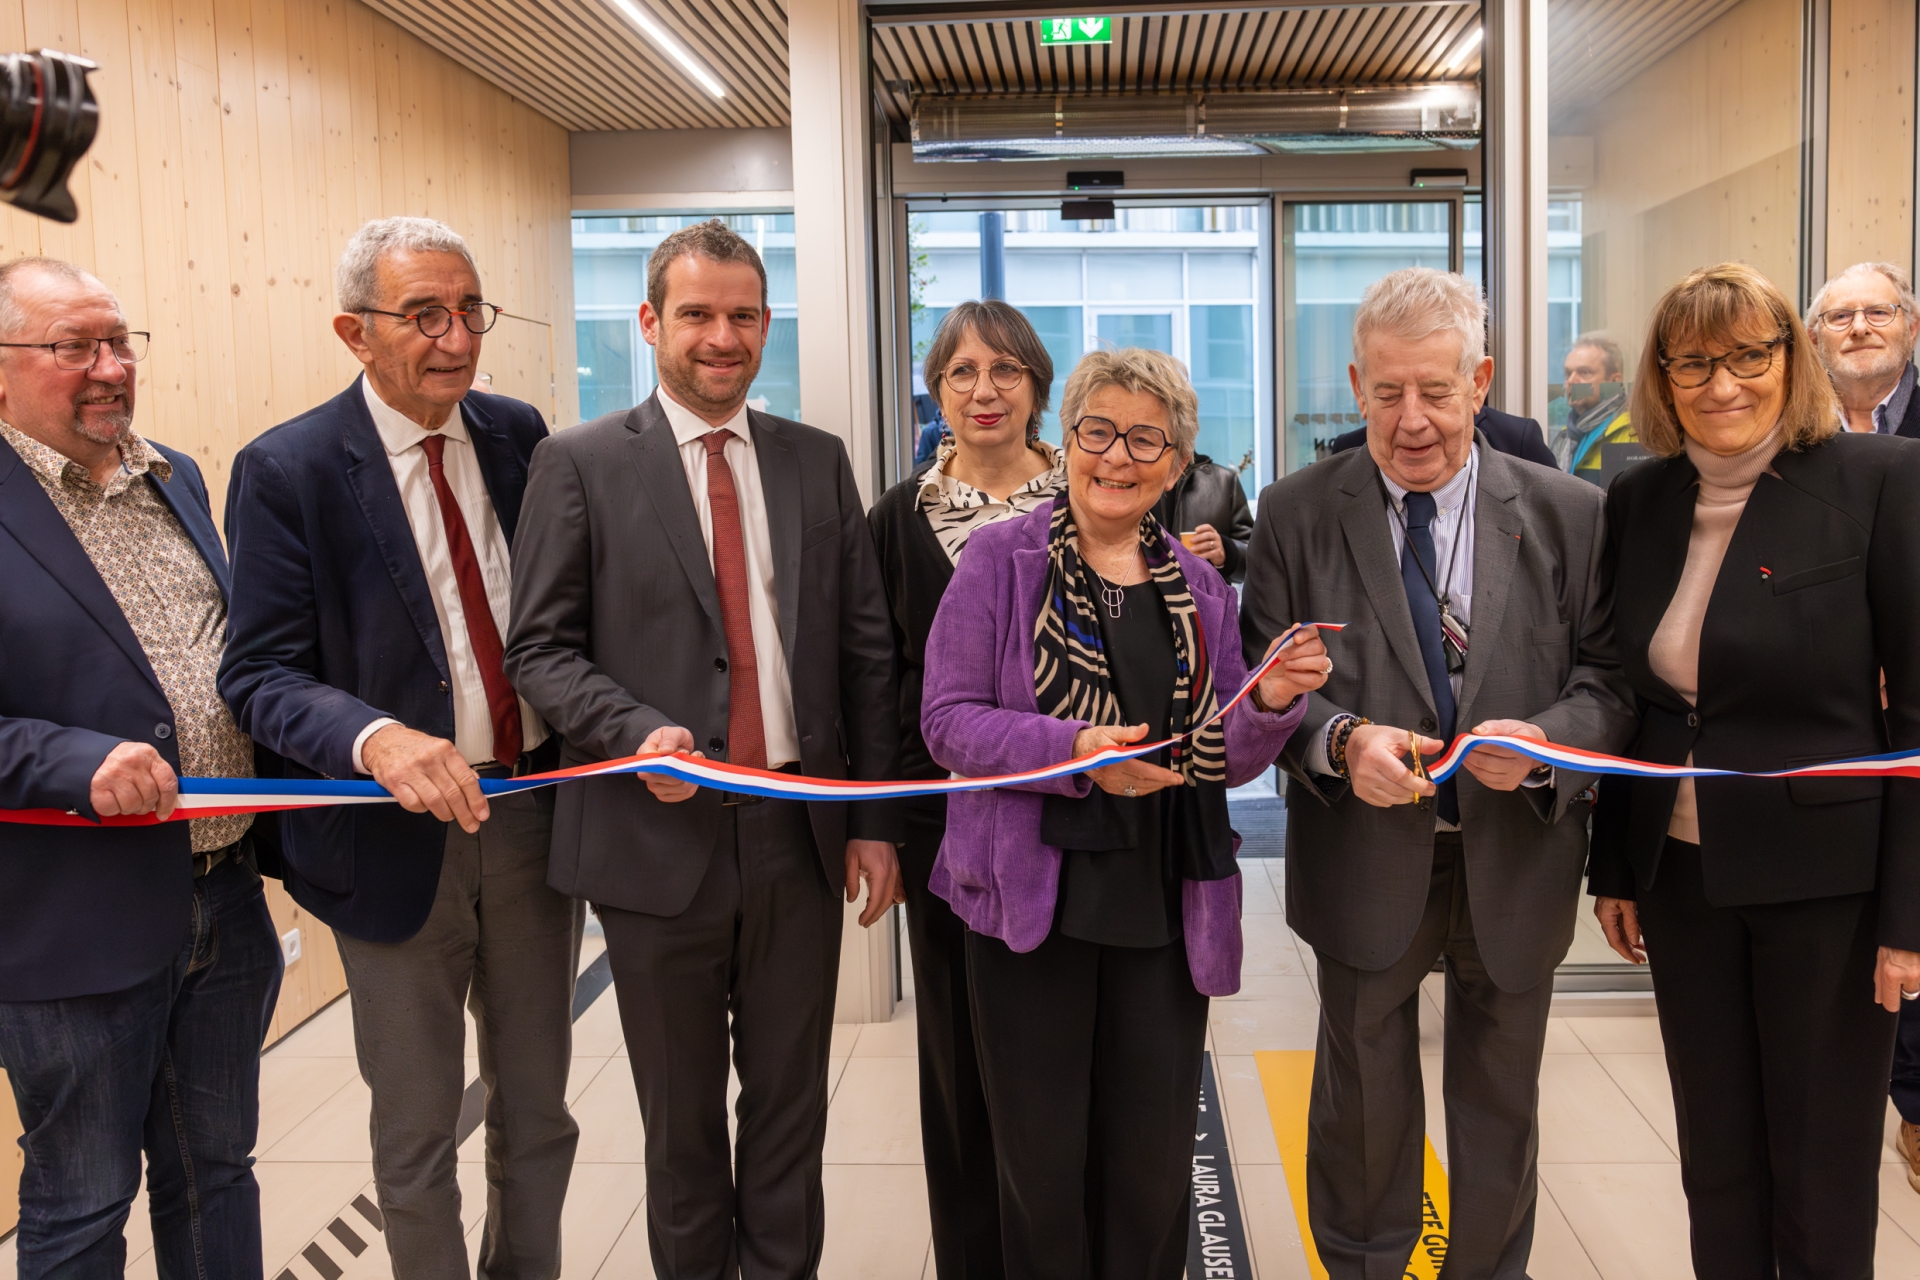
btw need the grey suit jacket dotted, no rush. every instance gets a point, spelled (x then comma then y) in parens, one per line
(616, 632)
(1541, 649)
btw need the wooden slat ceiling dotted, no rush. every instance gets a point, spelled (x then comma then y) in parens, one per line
(582, 64)
(1179, 53)
(1596, 46)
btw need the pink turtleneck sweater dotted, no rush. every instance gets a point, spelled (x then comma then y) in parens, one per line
(1674, 654)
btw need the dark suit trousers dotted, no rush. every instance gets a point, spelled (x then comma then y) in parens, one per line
(962, 1187)
(1366, 1124)
(1905, 1090)
(1091, 1057)
(759, 943)
(501, 943)
(1779, 1058)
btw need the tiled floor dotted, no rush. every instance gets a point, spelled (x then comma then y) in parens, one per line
(1610, 1204)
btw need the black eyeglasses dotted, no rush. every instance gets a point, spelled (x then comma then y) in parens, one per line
(81, 353)
(1841, 320)
(435, 321)
(1688, 372)
(1004, 374)
(1144, 443)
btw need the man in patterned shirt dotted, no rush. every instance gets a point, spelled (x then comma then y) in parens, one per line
(138, 964)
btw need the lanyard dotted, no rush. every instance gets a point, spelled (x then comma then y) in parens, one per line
(1453, 632)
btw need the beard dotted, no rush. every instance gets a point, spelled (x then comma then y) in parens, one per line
(110, 429)
(683, 377)
(1863, 370)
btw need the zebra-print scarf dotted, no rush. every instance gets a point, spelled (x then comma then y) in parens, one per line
(1070, 676)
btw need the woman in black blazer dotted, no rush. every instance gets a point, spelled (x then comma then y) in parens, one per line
(992, 375)
(1766, 569)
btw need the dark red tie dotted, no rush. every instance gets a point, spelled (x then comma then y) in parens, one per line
(746, 732)
(482, 636)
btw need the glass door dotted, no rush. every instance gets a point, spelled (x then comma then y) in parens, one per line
(1330, 252)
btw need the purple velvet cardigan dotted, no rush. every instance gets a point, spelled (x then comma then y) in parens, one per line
(980, 718)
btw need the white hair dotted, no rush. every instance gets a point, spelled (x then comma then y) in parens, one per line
(1896, 276)
(355, 280)
(1417, 302)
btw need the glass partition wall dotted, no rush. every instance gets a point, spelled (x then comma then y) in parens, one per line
(1187, 279)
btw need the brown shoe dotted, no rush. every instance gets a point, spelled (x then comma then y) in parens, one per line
(1909, 1144)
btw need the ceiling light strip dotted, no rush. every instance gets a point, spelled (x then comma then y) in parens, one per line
(663, 39)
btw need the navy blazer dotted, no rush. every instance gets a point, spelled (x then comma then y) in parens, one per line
(333, 627)
(83, 910)
(1516, 436)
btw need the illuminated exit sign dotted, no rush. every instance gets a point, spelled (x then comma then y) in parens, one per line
(1076, 31)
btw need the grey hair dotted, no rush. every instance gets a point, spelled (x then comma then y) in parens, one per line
(1138, 369)
(1417, 302)
(1616, 360)
(356, 279)
(10, 316)
(1896, 276)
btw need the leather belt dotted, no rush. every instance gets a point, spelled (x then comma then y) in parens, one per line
(205, 862)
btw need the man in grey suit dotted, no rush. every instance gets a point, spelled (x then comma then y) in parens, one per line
(694, 574)
(1470, 583)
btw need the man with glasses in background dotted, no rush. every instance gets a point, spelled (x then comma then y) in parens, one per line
(370, 545)
(138, 964)
(1862, 326)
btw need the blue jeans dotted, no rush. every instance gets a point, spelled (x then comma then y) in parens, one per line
(171, 1067)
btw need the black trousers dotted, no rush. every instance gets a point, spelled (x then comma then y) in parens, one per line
(1091, 1057)
(963, 1189)
(759, 943)
(1905, 1089)
(1779, 1059)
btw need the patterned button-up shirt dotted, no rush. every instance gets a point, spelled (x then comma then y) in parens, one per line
(170, 599)
(956, 509)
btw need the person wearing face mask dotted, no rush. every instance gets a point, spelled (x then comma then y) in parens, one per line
(372, 580)
(1596, 406)
(695, 575)
(1764, 576)
(1102, 909)
(991, 374)
(1862, 324)
(1470, 584)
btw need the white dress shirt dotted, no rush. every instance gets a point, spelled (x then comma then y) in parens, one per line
(401, 436)
(763, 602)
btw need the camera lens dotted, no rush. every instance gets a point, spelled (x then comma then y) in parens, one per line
(48, 119)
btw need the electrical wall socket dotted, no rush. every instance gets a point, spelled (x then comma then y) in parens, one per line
(290, 945)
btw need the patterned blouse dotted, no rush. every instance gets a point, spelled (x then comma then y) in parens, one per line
(169, 597)
(955, 508)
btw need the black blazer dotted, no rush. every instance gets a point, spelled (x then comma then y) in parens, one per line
(1910, 424)
(616, 632)
(1208, 493)
(916, 571)
(1519, 437)
(83, 910)
(1819, 592)
(333, 627)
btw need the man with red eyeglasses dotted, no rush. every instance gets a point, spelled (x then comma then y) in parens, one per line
(370, 544)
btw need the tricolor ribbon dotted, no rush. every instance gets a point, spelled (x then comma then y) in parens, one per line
(216, 797)
(1894, 764)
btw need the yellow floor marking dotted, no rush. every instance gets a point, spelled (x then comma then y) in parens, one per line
(1286, 1076)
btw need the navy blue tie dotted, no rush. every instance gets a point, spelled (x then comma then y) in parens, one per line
(1426, 625)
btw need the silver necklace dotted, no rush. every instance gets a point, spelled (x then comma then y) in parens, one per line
(1113, 597)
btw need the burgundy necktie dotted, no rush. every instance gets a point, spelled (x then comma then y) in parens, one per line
(746, 733)
(482, 636)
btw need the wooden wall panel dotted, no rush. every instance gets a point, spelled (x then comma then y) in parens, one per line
(241, 143)
(1870, 175)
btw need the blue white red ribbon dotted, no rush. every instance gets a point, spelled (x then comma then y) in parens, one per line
(216, 797)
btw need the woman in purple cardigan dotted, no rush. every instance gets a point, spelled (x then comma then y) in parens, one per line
(1103, 909)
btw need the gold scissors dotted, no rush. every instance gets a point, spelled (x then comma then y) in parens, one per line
(1419, 765)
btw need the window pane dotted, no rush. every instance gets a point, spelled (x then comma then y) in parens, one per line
(1127, 277)
(1153, 330)
(1059, 331)
(606, 366)
(1223, 364)
(783, 289)
(777, 389)
(1227, 276)
(954, 275)
(1036, 276)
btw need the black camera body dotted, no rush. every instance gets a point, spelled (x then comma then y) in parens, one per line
(48, 119)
